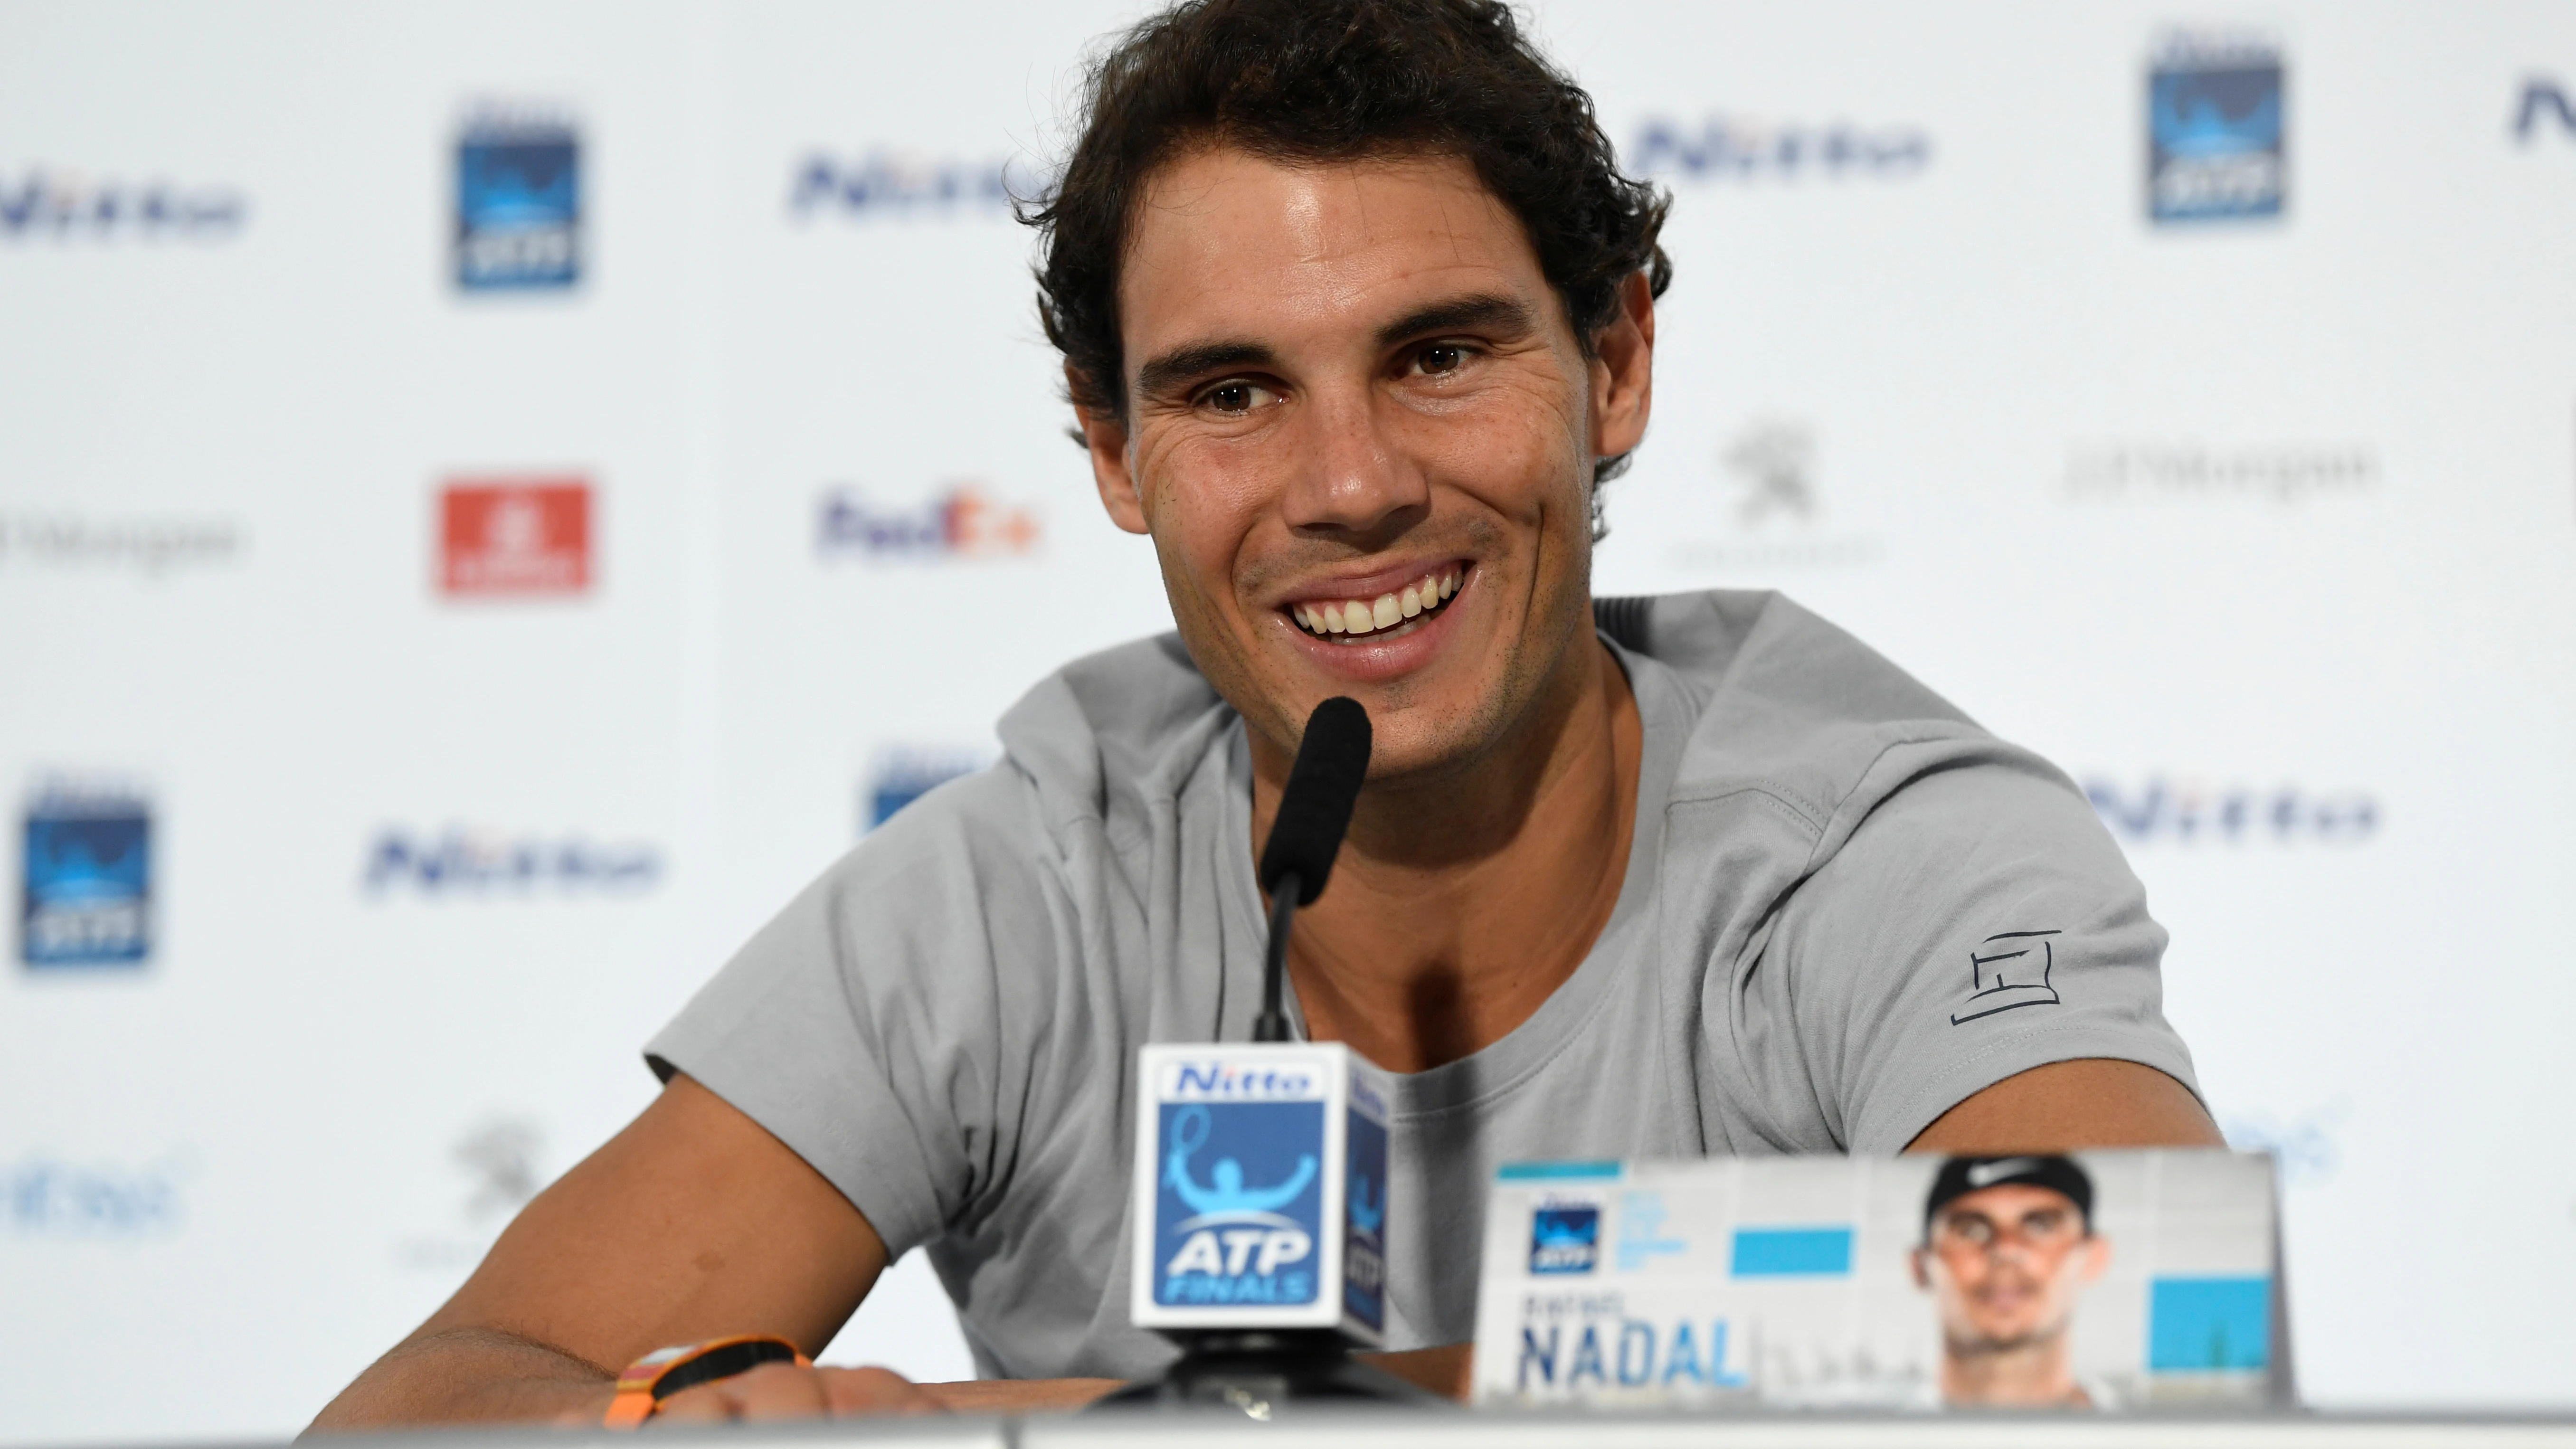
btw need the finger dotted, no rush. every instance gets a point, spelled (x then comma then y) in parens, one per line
(704, 1404)
(859, 1391)
(778, 1391)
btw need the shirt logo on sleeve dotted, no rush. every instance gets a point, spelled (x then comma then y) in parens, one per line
(2006, 971)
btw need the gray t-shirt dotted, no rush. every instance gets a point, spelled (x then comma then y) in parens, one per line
(1847, 908)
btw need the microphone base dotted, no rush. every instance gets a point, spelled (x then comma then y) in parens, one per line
(1259, 1372)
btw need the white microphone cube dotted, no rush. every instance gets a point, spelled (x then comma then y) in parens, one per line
(1260, 1190)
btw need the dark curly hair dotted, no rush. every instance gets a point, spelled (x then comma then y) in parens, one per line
(1334, 80)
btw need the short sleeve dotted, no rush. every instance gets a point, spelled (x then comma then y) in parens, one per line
(879, 1025)
(1978, 922)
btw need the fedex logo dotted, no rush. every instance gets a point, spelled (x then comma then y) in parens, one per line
(1228, 1082)
(957, 522)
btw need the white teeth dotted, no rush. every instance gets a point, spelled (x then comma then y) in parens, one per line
(1362, 616)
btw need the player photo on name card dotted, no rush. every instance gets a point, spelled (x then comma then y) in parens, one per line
(2085, 1281)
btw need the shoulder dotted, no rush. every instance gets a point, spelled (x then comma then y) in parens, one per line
(1797, 711)
(1104, 740)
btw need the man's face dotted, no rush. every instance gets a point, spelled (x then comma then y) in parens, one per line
(1361, 434)
(2006, 1264)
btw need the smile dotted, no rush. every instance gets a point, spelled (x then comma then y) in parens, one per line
(1344, 621)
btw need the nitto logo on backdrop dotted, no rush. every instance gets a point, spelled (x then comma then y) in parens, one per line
(1772, 508)
(147, 545)
(43, 1196)
(905, 775)
(487, 863)
(514, 536)
(895, 183)
(958, 521)
(85, 896)
(67, 206)
(2217, 137)
(1734, 148)
(2164, 809)
(2283, 473)
(2546, 107)
(518, 200)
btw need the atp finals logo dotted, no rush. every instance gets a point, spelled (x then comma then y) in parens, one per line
(1239, 1208)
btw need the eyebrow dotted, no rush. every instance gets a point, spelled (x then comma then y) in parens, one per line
(1168, 371)
(1482, 312)
(1485, 311)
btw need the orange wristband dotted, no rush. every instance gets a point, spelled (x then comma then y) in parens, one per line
(665, 1371)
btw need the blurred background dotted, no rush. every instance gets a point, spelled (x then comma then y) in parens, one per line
(494, 497)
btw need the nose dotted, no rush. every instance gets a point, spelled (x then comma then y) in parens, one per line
(1351, 477)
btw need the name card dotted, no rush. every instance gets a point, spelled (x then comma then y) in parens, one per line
(2091, 1280)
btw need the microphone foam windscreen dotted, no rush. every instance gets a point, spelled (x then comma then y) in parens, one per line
(1315, 808)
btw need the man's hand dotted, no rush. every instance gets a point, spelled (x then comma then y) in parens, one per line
(788, 1391)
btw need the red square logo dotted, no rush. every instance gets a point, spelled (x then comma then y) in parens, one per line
(515, 536)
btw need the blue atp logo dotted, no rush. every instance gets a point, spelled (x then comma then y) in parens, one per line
(518, 204)
(1565, 1239)
(86, 897)
(2217, 145)
(1239, 1208)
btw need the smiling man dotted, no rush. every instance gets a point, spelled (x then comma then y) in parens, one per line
(1358, 318)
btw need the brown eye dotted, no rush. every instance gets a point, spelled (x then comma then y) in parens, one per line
(1237, 398)
(1442, 357)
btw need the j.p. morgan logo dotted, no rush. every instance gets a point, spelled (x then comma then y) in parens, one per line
(2185, 470)
(1221, 1081)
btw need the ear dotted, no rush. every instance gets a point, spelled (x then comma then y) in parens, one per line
(2097, 1257)
(1105, 438)
(1922, 1277)
(1623, 371)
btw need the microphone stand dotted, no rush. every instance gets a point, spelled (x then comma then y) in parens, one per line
(1256, 1370)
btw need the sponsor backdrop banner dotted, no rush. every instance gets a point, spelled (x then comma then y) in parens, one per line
(500, 495)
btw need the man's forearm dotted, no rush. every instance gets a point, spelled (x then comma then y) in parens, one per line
(465, 1375)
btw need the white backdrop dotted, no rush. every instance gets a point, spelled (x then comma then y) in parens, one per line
(2262, 526)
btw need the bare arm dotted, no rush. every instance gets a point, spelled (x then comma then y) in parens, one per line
(2093, 1102)
(691, 1223)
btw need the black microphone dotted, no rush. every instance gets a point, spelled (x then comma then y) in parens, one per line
(1314, 813)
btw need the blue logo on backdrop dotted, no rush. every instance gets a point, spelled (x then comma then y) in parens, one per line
(518, 202)
(42, 1196)
(483, 862)
(1565, 1239)
(898, 183)
(69, 206)
(2189, 812)
(1239, 1206)
(2544, 99)
(1733, 148)
(2216, 139)
(1364, 1244)
(86, 896)
(904, 776)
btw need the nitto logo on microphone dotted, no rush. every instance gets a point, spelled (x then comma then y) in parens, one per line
(1220, 1081)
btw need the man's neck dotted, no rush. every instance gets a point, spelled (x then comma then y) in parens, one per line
(2036, 1373)
(1460, 905)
